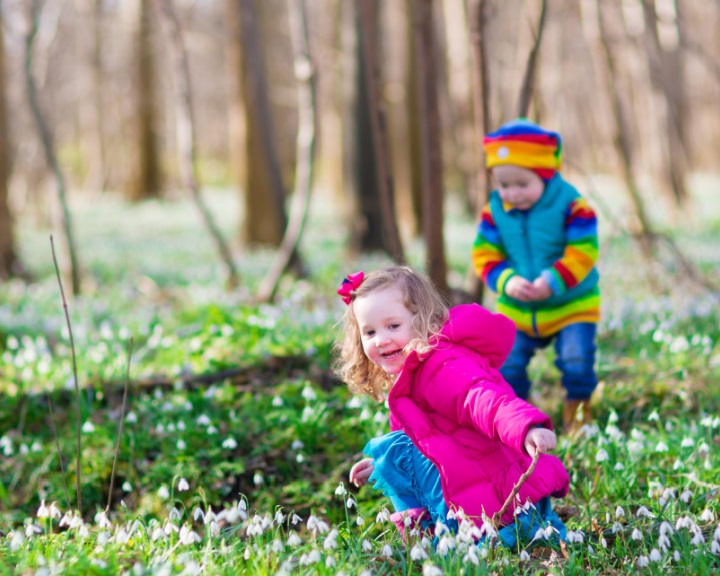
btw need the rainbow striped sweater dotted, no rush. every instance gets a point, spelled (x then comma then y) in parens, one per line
(555, 239)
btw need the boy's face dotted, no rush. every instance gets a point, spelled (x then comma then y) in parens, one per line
(385, 327)
(518, 186)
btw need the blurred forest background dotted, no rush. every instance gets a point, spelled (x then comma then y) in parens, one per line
(376, 107)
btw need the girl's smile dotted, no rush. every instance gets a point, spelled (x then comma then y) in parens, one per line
(385, 326)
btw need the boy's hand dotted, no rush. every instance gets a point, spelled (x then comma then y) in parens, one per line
(361, 471)
(540, 440)
(541, 289)
(520, 289)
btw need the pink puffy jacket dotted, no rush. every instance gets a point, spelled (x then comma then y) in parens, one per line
(459, 411)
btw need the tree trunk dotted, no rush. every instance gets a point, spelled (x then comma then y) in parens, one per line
(412, 99)
(430, 145)
(264, 193)
(9, 262)
(640, 227)
(378, 125)
(528, 85)
(186, 136)
(147, 182)
(307, 128)
(668, 77)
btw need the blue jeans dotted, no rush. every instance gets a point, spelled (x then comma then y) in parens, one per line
(575, 348)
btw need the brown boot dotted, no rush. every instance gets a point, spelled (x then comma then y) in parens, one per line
(576, 413)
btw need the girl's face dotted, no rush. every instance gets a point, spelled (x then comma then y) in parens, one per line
(385, 327)
(518, 186)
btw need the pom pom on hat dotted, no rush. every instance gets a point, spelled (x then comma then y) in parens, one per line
(523, 143)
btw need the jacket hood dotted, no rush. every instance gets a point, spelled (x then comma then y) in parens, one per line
(475, 327)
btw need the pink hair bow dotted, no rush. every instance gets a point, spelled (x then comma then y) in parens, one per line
(352, 282)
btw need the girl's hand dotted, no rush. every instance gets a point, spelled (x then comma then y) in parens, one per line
(540, 440)
(520, 289)
(360, 473)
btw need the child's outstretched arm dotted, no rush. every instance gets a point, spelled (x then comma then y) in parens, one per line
(361, 471)
(581, 250)
(488, 254)
(540, 440)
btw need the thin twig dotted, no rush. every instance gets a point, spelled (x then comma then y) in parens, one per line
(77, 385)
(122, 420)
(499, 514)
(59, 451)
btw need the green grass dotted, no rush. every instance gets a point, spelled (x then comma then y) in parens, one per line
(233, 412)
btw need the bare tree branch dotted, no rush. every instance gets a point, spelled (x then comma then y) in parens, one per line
(528, 85)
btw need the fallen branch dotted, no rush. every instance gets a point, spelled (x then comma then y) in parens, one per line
(499, 514)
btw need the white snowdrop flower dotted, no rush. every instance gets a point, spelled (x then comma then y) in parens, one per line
(103, 538)
(127, 487)
(102, 520)
(183, 485)
(277, 546)
(366, 545)
(330, 542)
(636, 534)
(279, 517)
(293, 539)
(66, 519)
(613, 417)
(524, 556)
(298, 445)
(471, 556)
(642, 561)
(387, 551)
(258, 479)
(661, 447)
(88, 427)
(189, 537)
(687, 442)
(637, 435)
(198, 514)
(211, 430)
(181, 425)
(703, 447)
(653, 416)
(330, 562)
(203, 420)
(665, 528)
(616, 527)
(247, 554)
(163, 492)
(54, 511)
(340, 490)
(131, 417)
(382, 516)
(363, 573)
(618, 467)
(229, 443)
(295, 519)
(277, 401)
(707, 465)
(539, 534)
(715, 547)
(603, 542)
(350, 502)
(662, 502)
(121, 536)
(32, 529)
(655, 555)
(575, 536)
(664, 542)
(431, 570)
(619, 512)
(698, 539)
(707, 515)
(643, 512)
(309, 394)
(418, 553)
(602, 455)
(669, 493)
(312, 557)
(716, 534)
(676, 556)
(686, 496)
(174, 514)
(181, 445)
(414, 533)
(360, 520)
(36, 447)
(407, 520)
(678, 464)
(209, 516)
(43, 511)
(443, 546)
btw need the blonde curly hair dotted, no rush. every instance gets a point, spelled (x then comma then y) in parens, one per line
(429, 314)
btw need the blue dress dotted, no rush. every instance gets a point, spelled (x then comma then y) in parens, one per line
(410, 480)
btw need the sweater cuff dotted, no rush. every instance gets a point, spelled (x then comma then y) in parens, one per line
(552, 278)
(503, 280)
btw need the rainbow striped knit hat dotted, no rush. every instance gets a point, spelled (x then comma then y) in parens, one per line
(524, 143)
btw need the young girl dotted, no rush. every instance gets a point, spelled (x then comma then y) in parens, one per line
(460, 436)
